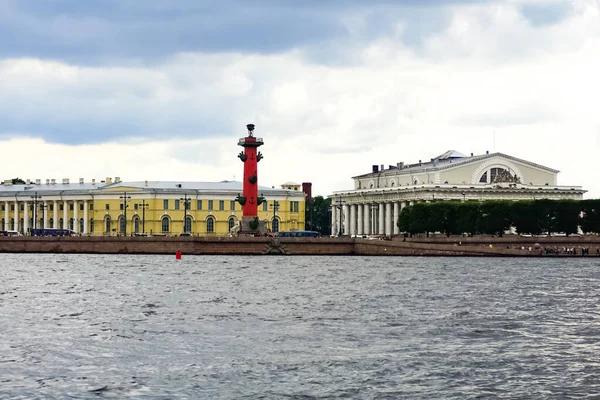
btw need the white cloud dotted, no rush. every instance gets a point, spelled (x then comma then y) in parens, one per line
(489, 75)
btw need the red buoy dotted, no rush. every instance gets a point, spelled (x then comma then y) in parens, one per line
(178, 255)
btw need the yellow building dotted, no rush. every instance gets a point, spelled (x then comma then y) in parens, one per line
(113, 207)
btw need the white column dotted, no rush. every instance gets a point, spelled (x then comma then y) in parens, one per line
(381, 220)
(367, 221)
(352, 219)
(388, 219)
(396, 215)
(75, 218)
(55, 216)
(334, 219)
(360, 220)
(6, 215)
(25, 217)
(65, 215)
(346, 217)
(46, 205)
(85, 217)
(16, 216)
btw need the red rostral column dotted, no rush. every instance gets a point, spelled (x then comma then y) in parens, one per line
(250, 157)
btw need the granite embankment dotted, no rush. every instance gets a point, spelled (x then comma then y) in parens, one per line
(438, 246)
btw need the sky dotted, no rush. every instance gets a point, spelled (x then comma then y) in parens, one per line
(163, 89)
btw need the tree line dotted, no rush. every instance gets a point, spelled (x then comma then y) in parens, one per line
(497, 216)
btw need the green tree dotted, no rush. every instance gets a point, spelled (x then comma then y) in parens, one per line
(318, 215)
(419, 218)
(567, 216)
(466, 218)
(525, 218)
(590, 221)
(404, 219)
(494, 217)
(18, 181)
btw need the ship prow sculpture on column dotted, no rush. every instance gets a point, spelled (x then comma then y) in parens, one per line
(250, 200)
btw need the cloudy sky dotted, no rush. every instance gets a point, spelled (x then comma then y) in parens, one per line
(163, 89)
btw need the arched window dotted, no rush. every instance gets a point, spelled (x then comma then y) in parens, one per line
(71, 224)
(51, 222)
(231, 223)
(165, 224)
(81, 223)
(107, 225)
(91, 225)
(210, 225)
(41, 222)
(61, 223)
(122, 224)
(2, 227)
(188, 225)
(12, 224)
(483, 178)
(275, 224)
(22, 225)
(495, 172)
(136, 225)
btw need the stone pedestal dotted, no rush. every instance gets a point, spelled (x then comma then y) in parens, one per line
(247, 224)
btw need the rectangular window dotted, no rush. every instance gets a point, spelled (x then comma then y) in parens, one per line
(266, 206)
(221, 205)
(81, 207)
(177, 204)
(121, 206)
(294, 206)
(135, 206)
(51, 207)
(71, 207)
(12, 207)
(62, 207)
(210, 205)
(108, 206)
(199, 204)
(232, 205)
(165, 204)
(2, 207)
(91, 206)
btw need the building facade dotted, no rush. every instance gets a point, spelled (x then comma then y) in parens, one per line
(378, 197)
(113, 207)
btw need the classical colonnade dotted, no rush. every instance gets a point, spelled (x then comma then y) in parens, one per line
(373, 218)
(14, 221)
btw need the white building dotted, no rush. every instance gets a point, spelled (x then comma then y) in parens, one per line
(378, 197)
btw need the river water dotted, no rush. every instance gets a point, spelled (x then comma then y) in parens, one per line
(214, 327)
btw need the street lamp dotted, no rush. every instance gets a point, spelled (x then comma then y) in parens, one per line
(124, 197)
(275, 206)
(186, 201)
(143, 205)
(339, 205)
(35, 198)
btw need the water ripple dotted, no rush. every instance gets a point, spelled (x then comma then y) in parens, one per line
(114, 327)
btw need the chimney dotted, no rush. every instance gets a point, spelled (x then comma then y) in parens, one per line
(53, 181)
(65, 180)
(47, 181)
(28, 181)
(381, 168)
(108, 179)
(487, 152)
(8, 181)
(436, 161)
(419, 162)
(471, 154)
(38, 181)
(145, 183)
(375, 168)
(400, 165)
(117, 179)
(93, 181)
(307, 189)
